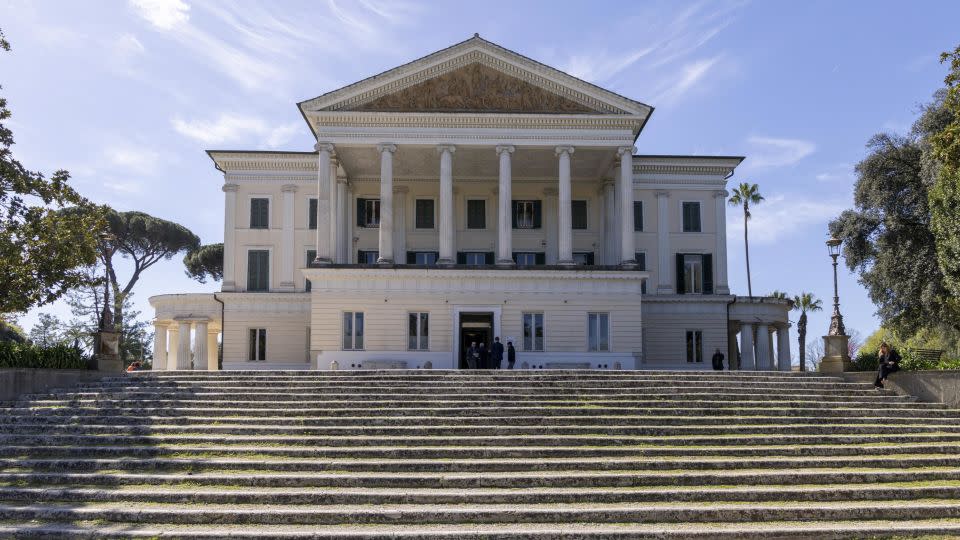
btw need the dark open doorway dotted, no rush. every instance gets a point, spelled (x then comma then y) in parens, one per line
(474, 327)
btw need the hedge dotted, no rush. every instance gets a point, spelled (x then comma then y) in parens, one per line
(868, 361)
(25, 355)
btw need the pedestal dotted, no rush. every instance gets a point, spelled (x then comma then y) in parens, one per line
(106, 351)
(836, 358)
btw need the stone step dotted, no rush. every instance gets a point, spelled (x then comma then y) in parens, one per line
(456, 373)
(272, 464)
(506, 480)
(783, 530)
(320, 496)
(486, 513)
(528, 453)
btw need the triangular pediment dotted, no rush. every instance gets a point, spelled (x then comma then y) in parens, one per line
(476, 76)
(475, 88)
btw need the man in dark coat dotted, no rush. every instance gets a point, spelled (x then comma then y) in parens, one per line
(718, 360)
(473, 356)
(496, 353)
(511, 355)
(484, 356)
(889, 363)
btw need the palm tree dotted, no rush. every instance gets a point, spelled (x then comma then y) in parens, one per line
(744, 195)
(779, 295)
(805, 302)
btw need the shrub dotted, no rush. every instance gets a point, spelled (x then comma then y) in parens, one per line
(866, 361)
(25, 355)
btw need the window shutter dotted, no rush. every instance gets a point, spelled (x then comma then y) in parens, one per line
(637, 215)
(265, 214)
(514, 211)
(461, 257)
(541, 258)
(360, 258)
(537, 215)
(680, 284)
(515, 257)
(361, 213)
(251, 271)
(312, 218)
(708, 273)
(641, 258)
(411, 257)
(590, 259)
(489, 256)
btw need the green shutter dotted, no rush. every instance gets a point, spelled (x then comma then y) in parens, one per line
(707, 273)
(513, 213)
(680, 284)
(490, 257)
(537, 214)
(637, 216)
(461, 257)
(312, 218)
(361, 212)
(540, 258)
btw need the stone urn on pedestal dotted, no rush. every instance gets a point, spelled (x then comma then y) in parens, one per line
(106, 344)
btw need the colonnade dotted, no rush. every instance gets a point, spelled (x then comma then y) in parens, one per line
(757, 347)
(174, 350)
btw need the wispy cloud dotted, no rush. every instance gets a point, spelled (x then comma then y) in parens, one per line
(779, 216)
(232, 128)
(162, 14)
(769, 152)
(130, 158)
(842, 172)
(690, 77)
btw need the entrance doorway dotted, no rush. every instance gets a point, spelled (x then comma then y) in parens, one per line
(474, 327)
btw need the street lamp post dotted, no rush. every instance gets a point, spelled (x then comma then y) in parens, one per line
(836, 320)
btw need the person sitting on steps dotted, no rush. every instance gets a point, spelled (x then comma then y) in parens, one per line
(889, 363)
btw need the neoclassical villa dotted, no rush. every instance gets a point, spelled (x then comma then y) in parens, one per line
(471, 194)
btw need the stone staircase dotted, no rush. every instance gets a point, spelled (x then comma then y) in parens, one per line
(533, 455)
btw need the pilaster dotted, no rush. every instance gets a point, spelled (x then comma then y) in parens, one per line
(664, 275)
(229, 237)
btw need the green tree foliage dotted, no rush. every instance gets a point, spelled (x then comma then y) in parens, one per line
(744, 195)
(42, 252)
(10, 330)
(945, 193)
(803, 303)
(887, 238)
(48, 331)
(205, 262)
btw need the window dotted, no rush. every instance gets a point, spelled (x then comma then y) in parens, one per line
(475, 258)
(527, 215)
(641, 258)
(418, 331)
(638, 216)
(259, 213)
(424, 213)
(529, 258)
(579, 218)
(368, 213)
(476, 214)
(258, 344)
(583, 258)
(598, 332)
(312, 214)
(691, 217)
(694, 273)
(428, 258)
(311, 255)
(367, 257)
(694, 346)
(352, 331)
(533, 331)
(258, 270)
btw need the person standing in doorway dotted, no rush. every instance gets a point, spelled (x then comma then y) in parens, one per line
(718, 360)
(511, 355)
(473, 356)
(484, 356)
(496, 353)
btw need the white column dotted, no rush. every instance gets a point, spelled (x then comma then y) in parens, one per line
(732, 349)
(610, 252)
(173, 348)
(349, 210)
(664, 276)
(184, 361)
(229, 236)
(720, 256)
(287, 255)
(565, 215)
(773, 359)
(763, 346)
(628, 248)
(550, 227)
(201, 355)
(344, 231)
(334, 226)
(783, 348)
(324, 249)
(747, 359)
(504, 221)
(212, 357)
(400, 224)
(386, 202)
(159, 346)
(446, 227)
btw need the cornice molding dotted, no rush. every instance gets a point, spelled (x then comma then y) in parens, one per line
(325, 119)
(254, 161)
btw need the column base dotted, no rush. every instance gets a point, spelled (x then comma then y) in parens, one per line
(569, 262)
(385, 262)
(446, 263)
(228, 286)
(628, 265)
(506, 263)
(664, 289)
(325, 261)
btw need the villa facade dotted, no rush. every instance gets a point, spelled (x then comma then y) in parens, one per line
(470, 194)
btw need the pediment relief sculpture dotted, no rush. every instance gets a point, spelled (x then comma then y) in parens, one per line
(475, 88)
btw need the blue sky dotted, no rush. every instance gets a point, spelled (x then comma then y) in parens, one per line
(127, 95)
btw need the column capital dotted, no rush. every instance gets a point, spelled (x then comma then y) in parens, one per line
(663, 194)
(230, 188)
(441, 148)
(400, 189)
(720, 193)
(501, 148)
(624, 149)
(550, 191)
(386, 147)
(343, 180)
(289, 188)
(323, 146)
(564, 150)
